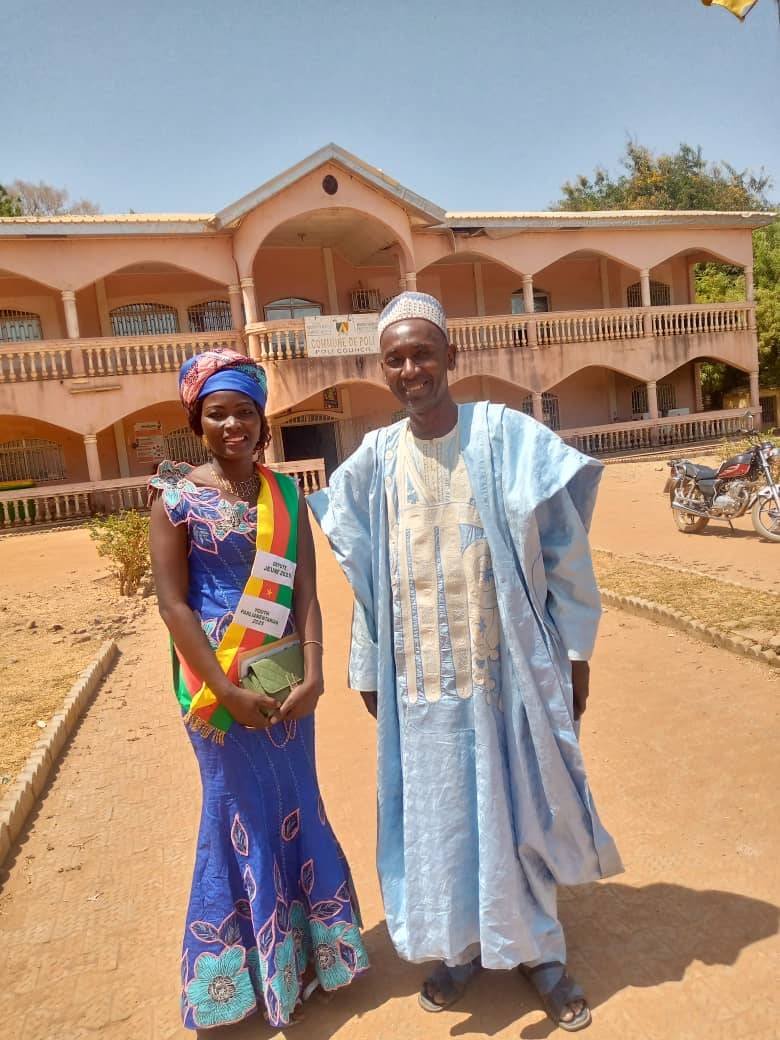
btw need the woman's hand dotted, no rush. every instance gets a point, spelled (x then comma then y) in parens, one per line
(251, 709)
(303, 699)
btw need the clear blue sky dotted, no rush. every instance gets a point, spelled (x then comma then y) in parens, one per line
(476, 104)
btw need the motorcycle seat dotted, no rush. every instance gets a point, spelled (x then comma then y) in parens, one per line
(692, 469)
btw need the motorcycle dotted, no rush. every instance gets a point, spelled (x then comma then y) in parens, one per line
(698, 494)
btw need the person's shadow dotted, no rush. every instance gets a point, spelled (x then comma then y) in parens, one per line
(617, 936)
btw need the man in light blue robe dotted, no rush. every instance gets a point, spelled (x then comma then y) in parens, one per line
(463, 532)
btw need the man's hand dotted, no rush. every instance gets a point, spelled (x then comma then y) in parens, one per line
(370, 701)
(580, 679)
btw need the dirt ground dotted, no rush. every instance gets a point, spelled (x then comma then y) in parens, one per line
(681, 745)
(633, 518)
(59, 605)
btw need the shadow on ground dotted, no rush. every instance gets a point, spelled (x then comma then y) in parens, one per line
(618, 937)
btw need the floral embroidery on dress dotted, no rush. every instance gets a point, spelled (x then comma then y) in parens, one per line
(239, 836)
(221, 990)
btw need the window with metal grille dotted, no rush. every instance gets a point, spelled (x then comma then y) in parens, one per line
(665, 392)
(550, 411)
(365, 301)
(32, 459)
(660, 294)
(212, 316)
(541, 301)
(19, 326)
(183, 446)
(144, 319)
(291, 308)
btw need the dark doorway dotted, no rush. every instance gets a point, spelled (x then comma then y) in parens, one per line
(315, 441)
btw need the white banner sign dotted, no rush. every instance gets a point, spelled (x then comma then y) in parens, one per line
(335, 335)
(263, 615)
(274, 568)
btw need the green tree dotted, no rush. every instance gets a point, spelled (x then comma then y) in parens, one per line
(682, 180)
(9, 204)
(685, 180)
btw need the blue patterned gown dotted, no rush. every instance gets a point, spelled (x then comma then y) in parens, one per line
(271, 890)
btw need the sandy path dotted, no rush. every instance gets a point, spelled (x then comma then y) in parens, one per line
(683, 762)
(633, 518)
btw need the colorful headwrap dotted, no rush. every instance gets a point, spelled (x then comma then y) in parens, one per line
(413, 305)
(221, 370)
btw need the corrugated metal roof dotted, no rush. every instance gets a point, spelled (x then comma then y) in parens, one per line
(113, 218)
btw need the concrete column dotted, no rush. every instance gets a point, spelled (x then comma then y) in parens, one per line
(93, 459)
(236, 307)
(71, 314)
(72, 327)
(604, 278)
(537, 406)
(755, 401)
(698, 394)
(184, 317)
(528, 294)
(330, 280)
(274, 452)
(750, 292)
(121, 448)
(612, 395)
(479, 289)
(253, 342)
(652, 399)
(411, 281)
(102, 307)
(250, 301)
(644, 283)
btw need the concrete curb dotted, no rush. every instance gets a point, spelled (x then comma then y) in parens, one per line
(683, 623)
(26, 789)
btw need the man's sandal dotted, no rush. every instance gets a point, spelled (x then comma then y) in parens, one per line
(557, 993)
(445, 986)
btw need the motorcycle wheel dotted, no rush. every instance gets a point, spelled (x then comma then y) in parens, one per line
(688, 523)
(766, 519)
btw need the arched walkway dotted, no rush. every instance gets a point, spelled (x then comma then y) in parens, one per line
(31, 449)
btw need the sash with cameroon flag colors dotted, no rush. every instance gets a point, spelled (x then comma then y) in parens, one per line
(262, 611)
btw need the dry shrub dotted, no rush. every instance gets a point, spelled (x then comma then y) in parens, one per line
(124, 539)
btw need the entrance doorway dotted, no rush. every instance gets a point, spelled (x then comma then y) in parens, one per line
(311, 441)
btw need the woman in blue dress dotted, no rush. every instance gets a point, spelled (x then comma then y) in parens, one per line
(272, 911)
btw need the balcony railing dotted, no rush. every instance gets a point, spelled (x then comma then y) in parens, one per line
(42, 360)
(286, 340)
(133, 355)
(68, 502)
(650, 433)
(107, 356)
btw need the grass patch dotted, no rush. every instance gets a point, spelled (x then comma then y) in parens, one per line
(712, 602)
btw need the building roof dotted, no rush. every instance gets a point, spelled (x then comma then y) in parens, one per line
(75, 224)
(629, 218)
(410, 200)
(422, 211)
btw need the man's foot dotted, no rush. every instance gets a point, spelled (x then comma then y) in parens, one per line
(562, 998)
(444, 986)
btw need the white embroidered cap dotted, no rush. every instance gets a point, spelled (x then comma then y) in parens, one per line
(413, 305)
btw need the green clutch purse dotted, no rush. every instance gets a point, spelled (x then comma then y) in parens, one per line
(277, 670)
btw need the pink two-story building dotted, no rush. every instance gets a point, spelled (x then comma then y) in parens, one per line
(586, 320)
